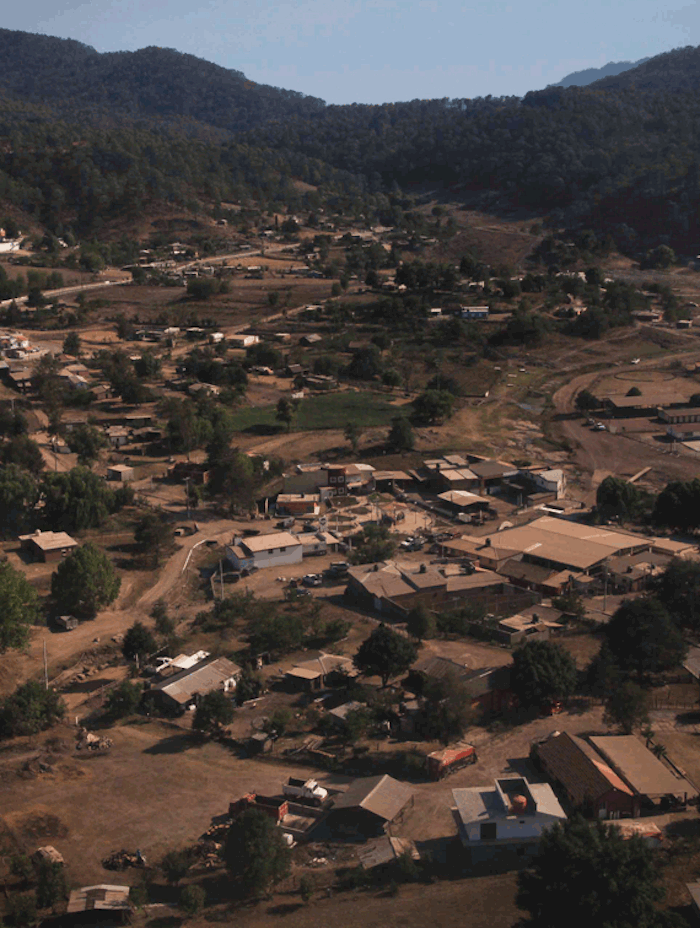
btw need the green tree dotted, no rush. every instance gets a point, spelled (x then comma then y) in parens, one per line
(175, 865)
(21, 909)
(678, 505)
(164, 624)
(78, 499)
(86, 441)
(542, 672)
(153, 535)
(401, 437)
(353, 433)
(85, 582)
(447, 710)
(30, 709)
(51, 884)
(374, 543)
(420, 623)
(24, 452)
(123, 700)
(19, 607)
(678, 588)
(627, 707)
(618, 498)
(72, 344)
(193, 899)
(643, 638)
(19, 494)
(385, 654)
(589, 867)
(286, 410)
(603, 676)
(214, 711)
(586, 401)
(255, 852)
(138, 643)
(433, 406)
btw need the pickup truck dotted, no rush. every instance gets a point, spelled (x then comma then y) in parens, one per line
(304, 789)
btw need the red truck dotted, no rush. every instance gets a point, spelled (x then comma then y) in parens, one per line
(441, 764)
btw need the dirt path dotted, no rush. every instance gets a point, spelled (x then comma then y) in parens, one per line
(134, 602)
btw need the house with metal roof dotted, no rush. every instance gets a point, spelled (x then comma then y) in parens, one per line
(507, 819)
(272, 550)
(185, 688)
(48, 546)
(369, 807)
(590, 785)
(320, 670)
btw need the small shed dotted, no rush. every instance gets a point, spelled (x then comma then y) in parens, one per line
(121, 472)
(385, 851)
(100, 904)
(66, 622)
(260, 743)
(369, 807)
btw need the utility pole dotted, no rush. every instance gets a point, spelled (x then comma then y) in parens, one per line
(605, 589)
(46, 668)
(221, 575)
(187, 496)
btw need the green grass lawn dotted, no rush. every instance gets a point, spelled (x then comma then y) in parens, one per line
(325, 411)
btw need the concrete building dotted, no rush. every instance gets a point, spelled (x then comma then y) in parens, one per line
(506, 820)
(122, 472)
(48, 546)
(298, 504)
(273, 550)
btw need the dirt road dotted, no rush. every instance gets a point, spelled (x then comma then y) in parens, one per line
(134, 602)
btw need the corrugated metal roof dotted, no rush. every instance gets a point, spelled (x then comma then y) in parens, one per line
(644, 772)
(383, 796)
(203, 678)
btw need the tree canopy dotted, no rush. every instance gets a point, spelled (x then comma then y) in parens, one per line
(85, 582)
(643, 638)
(542, 672)
(138, 642)
(30, 709)
(214, 710)
(385, 654)
(19, 607)
(590, 867)
(255, 852)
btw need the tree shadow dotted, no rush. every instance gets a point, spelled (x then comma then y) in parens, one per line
(285, 908)
(263, 428)
(174, 744)
(683, 828)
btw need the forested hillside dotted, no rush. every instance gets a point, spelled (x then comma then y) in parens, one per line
(589, 75)
(115, 133)
(150, 82)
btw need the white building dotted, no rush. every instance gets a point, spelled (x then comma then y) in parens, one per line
(272, 550)
(551, 481)
(317, 542)
(509, 817)
(242, 341)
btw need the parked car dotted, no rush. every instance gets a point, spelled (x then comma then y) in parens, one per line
(312, 580)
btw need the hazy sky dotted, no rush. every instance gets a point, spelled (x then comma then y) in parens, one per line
(374, 51)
